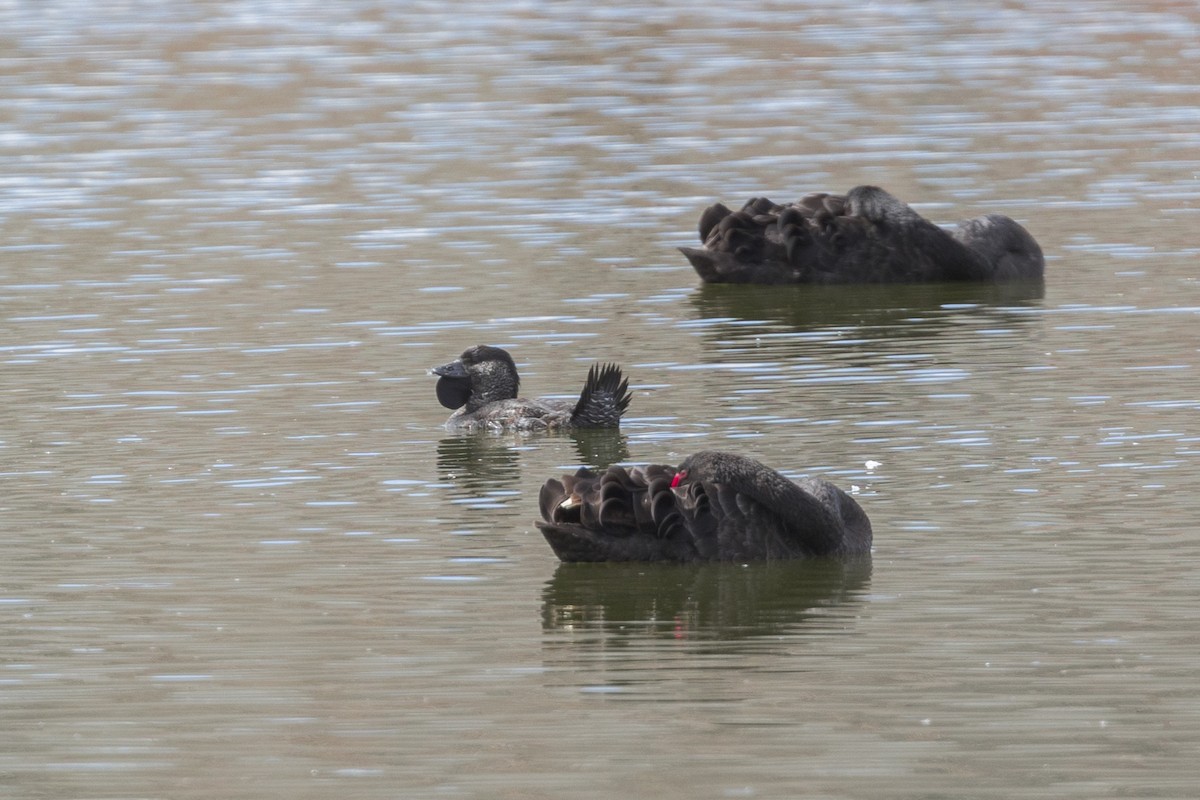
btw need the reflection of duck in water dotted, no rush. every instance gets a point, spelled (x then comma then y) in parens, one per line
(486, 460)
(600, 447)
(707, 601)
(483, 383)
(714, 507)
(479, 462)
(865, 236)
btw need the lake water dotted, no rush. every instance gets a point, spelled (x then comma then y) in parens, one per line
(244, 559)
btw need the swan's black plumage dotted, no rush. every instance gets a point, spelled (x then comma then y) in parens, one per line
(865, 236)
(715, 506)
(482, 384)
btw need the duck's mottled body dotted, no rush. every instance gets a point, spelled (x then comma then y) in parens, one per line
(864, 236)
(714, 507)
(483, 385)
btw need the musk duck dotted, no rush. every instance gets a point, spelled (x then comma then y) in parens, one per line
(483, 383)
(864, 236)
(715, 506)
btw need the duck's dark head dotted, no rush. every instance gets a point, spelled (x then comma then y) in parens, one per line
(481, 375)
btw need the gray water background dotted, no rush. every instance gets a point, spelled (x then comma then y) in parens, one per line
(242, 558)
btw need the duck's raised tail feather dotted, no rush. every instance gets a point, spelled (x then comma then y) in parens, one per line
(604, 398)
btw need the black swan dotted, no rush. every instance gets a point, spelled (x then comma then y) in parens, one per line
(482, 385)
(865, 236)
(714, 507)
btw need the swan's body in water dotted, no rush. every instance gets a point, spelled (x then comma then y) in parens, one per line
(483, 385)
(714, 506)
(865, 236)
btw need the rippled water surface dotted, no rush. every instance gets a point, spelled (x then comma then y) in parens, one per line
(244, 559)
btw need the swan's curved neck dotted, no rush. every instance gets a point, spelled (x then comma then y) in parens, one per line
(799, 509)
(804, 514)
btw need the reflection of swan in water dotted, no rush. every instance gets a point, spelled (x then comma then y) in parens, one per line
(802, 319)
(866, 236)
(707, 601)
(812, 307)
